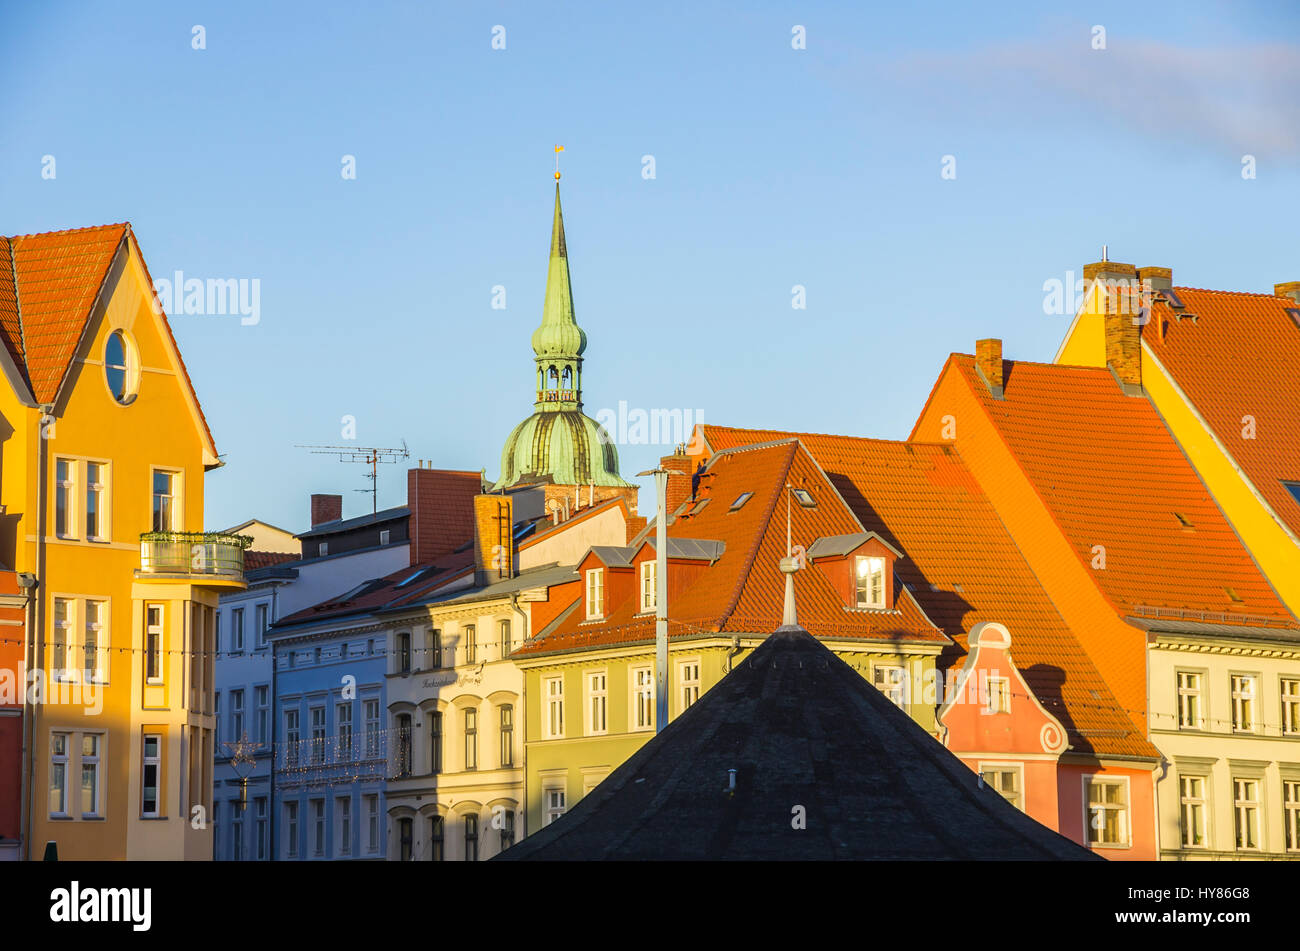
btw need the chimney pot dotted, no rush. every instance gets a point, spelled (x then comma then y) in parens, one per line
(988, 360)
(326, 508)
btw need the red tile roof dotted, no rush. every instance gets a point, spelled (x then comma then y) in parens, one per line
(48, 286)
(262, 559)
(963, 567)
(744, 591)
(1111, 474)
(1240, 357)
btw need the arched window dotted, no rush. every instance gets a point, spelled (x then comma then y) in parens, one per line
(567, 378)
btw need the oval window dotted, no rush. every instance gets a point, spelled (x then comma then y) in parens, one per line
(120, 367)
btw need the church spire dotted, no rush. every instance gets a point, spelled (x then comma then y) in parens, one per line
(559, 341)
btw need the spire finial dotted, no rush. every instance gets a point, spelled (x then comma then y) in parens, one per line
(558, 150)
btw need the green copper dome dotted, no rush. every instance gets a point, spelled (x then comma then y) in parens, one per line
(558, 443)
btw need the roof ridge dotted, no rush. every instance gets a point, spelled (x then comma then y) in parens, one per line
(788, 434)
(18, 306)
(1211, 290)
(42, 234)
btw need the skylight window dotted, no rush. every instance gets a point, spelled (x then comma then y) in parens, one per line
(804, 498)
(1184, 522)
(699, 506)
(1173, 298)
(740, 501)
(1294, 489)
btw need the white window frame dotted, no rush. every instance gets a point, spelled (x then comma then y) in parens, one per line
(372, 823)
(554, 802)
(1243, 807)
(1291, 813)
(261, 617)
(1127, 813)
(99, 672)
(553, 716)
(597, 705)
(893, 685)
(372, 720)
(1245, 702)
(177, 497)
(237, 630)
(595, 594)
(1289, 690)
(999, 695)
(94, 763)
(688, 682)
(874, 564)
(64, 640)
(154, 761)
(642, 690)
(155, 649)
(63, 759)
(649, 586)
(1190, 694)
(66, 489)
(1016, 769)
(318, 826)
(291, 829)
(343, 824)
(262, 702)
(1187, 803)
(100, 489)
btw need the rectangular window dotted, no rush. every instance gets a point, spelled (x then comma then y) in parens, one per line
(1290, 706)
(999, 698)
(471, 838)
(435, 839)
(90, 748)
(153, 643)
(1190, 705)
(151, 776)
(61, 663)
(164, 502)
(1291, 813)
(263, 708)
(405, 846)
(595, 593)
(318, 734)
(262, 826)
(402, 726)
(237, 630)
(690, 677)
(1005, 781)
(435, 649)
(471, 738)
(318, 827)
(554, 800)
(292, 737)
(1192, 810)
(507, 714)
(59, 773)
(471, 644)
(554, 722)
(370, 710)
(96, 525)
(237, 832)
(1245, 805)
(236, 715)
(343, 725)
(503, 632)
(372, 823)
(216, 720)
(1107, 811)
(65, 487)
(343, 809)
(507, 829)
(385, 535)
(596, 706)
(891, 681)
(403, 658)
(291, 829)
(871, 582)
(649, 587)
(260, 617)
(435, 742)
(1244, 693)
(95, 646)
(643, 693)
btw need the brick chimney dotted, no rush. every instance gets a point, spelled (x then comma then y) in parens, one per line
(988, 361)
(1156, 278)
(326, 508)
(494, 555)
(1124, 346)
(1120, 280)
(441, 502)
(1290, 289)
(678, 490)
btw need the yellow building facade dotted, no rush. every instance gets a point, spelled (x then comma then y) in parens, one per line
(101, 486)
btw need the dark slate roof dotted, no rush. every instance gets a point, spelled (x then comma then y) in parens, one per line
(359, 521)
(801, 728)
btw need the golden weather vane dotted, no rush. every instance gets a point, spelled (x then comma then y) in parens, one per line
(558, 150)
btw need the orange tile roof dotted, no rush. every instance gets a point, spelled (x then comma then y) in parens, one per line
(1111, 474)
(964, 568)
(744, 591)
(1240, 357)
(48, 286)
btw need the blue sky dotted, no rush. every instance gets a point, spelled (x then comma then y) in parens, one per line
(774, 167)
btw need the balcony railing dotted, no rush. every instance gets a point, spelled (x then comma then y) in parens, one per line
(206, 554)
(557, 396)
(323, 761)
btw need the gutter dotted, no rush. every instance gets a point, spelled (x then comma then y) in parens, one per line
(37, 631)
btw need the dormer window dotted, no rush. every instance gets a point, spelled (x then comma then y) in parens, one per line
(649, 586)
(870, 582)
(595, 594)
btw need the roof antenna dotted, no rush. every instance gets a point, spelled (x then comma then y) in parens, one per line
(789, 565)
(1103, 253)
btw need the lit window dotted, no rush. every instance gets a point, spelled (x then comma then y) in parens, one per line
(1290, 706)
(1107, 810)
(871, 582)
(595, 593)
(1191, 792)
(554, 723)
(1244, 692)
(1005, 781)
(1246, 813)
(596, 697)
(65, 485)
(95, 521)
(649, 585)
(643, 683)
(1189, 700)
(151, 778)
(164, 502)
(121, 367)
(892, 682)
(690, 677)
